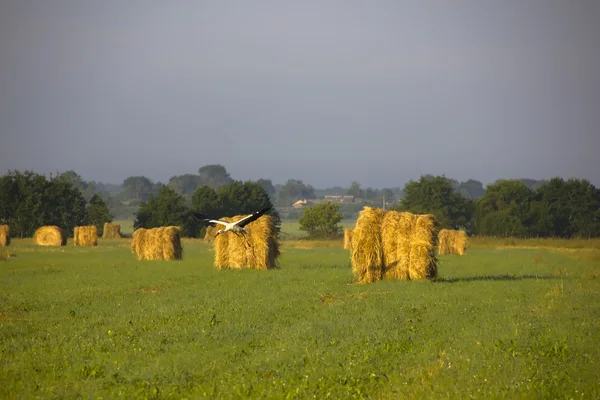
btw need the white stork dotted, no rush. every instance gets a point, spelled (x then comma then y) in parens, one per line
(236, 226)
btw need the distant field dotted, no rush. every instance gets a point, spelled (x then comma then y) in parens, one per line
(501, 322)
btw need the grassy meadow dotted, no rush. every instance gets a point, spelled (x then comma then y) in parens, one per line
(508, 320)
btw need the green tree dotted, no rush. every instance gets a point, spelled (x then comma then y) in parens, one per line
(165, 209)
(435, 195)
(137, 187)
(214, 175)
(294, 189)
(267, 185)
(184, 184)
(471, 189)
(322, 220)
(98, 213)
(355, 190)
(505, 209)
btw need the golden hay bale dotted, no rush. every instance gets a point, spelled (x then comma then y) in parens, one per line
(162, 243)
(396, 232)
(367, 247)
(258, 249)
(209, 236)
(460, 242)
(4, 235)
(49, 236)
(423, 261)
(348, 238)
(85, 236)
(452, 242)
(111, 231)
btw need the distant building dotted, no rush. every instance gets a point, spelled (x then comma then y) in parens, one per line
(303, 203)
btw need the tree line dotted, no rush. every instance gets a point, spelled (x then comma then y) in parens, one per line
(29, 200)
(510, 208)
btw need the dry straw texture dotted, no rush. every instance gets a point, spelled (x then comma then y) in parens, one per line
(111, 231)
(452, 242)
(348, 238)
(367, 246)
(85, 236)
(423, 247)
(394, 245)
(4, 235)
(209, 236)
(258, 249)
(162, 243)
(396, 230)
(49, 236)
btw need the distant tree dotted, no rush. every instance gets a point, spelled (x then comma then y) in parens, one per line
(504, 209)
(471, 189)
(293, 190)
(435, 195)
(355, 190)
(74, 178)
(137, 187)
(370, 194)
(214, 175)
(322, 220)
(165, 209)
(267, 185)
(22, 202)
(184, 184)
(388, 194)
(98, 213)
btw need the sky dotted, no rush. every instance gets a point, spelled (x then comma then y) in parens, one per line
(327, 92)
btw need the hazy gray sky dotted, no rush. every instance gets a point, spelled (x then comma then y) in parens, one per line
(324, 91)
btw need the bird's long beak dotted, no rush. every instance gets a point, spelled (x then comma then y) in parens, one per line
(218, 233)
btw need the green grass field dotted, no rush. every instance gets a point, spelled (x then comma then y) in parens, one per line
(97, 323)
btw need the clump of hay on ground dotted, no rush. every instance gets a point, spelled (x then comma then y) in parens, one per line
(162, 243)
(394, 245)
(423, 247)
(452, 242)
(209, 236)
(85, 236)
(396, 231)
(111, 231)
(4, 235)
(367, 246)
(258, 249)
(348, 239)
(49, 236)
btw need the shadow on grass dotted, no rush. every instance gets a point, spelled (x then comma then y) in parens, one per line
(495, 278)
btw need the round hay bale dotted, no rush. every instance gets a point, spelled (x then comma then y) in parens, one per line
(111, 231)
(367, 246)
(49, 236)
(348, 239)
(85, 235)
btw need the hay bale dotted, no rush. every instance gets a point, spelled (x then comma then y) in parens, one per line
(258, 249)
(85, 236)
(111, 231)
(396, 232)
(49, 236)
(163, 243)
(367, 246)
(348, 238)
(209, 236)
(4, 235)
(423, 245)
(452, 242)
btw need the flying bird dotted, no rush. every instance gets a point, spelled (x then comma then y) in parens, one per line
(236, 226)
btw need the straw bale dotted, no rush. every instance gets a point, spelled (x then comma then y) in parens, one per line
(85, 236)
(423, 261)
(163, 243)
(258, 249)
(452, 242)
(348, 238)
(209, 236)
(50, 236)
(111, 231)
(367, 247)
(397, 231)
(4, 235)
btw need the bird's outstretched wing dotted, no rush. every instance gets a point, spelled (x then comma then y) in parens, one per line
(252, 217)
(207, 220)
